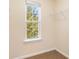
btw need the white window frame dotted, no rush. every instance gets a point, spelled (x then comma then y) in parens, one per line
(39, 23)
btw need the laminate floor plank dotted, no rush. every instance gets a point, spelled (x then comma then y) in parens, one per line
(48, 55)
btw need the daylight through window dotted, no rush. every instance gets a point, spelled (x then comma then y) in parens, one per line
(33, 21)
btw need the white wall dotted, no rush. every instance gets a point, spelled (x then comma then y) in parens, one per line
(17, 21)
(62, 25)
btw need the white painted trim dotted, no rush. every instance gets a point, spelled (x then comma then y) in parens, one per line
(33, 54)
(32, 40)
(62, 53)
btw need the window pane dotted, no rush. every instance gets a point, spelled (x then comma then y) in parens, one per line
(35, 13)
(32, 17)
(35, 18)
(29, 12)
(32, 30)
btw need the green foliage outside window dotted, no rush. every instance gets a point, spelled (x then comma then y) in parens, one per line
(32, 30)
(32, 21)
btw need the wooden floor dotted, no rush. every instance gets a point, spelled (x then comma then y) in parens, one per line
(49, 55)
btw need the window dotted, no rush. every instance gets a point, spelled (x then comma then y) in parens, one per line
(33, 21)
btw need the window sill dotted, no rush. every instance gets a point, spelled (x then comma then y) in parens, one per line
(32, 40)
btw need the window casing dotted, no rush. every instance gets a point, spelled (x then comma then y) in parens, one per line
(32, 21)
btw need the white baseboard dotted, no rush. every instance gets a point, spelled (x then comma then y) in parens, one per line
(40, 52)
(33, 54)
(62, 53)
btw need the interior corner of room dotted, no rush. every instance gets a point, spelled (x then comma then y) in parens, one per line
(54, 29)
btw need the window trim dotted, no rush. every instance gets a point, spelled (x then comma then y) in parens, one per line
(39, 25)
